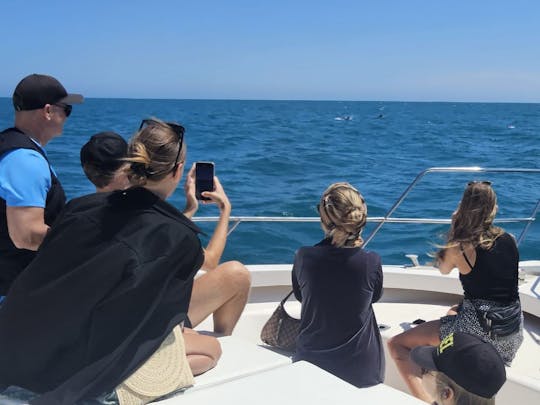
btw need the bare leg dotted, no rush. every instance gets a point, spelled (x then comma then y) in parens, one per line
(222, 292)
(453, 310)
(401, 345)
(203, 352)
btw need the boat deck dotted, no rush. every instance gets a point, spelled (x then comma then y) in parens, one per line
(298, 383)
(251, 371)
(409, 294)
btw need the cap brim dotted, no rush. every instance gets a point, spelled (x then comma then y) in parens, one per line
(72, 99)
(424, 356)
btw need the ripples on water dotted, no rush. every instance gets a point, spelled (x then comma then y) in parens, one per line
(275, 158)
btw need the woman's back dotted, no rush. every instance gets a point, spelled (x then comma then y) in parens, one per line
(338, 329)
(337, 287)
(115, 271)
(337, 281)
(494, 275)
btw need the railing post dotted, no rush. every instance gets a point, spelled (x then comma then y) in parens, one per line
(529, 222)
(396, 204)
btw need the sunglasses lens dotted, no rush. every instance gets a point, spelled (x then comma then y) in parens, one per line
(66, 107)
(145, 123)
(179, 129)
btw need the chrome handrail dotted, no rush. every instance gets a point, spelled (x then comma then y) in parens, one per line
(473, 169)
(237, 220)
(526, 228)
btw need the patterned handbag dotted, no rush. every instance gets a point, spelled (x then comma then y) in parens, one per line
(281, 329)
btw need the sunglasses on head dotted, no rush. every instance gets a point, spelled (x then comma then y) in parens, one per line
(179, 130)
(487, 183)
(66, 107)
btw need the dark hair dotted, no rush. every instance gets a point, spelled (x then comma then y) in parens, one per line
(98, 176)
(152, 153)
(102, 156)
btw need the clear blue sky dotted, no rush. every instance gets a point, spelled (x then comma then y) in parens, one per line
(459, 50)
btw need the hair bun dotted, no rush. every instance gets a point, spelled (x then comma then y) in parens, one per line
(139, 169)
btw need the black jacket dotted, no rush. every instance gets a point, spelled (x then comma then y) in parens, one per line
(110, 281)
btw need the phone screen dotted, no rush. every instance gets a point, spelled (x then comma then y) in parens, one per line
(204, 178)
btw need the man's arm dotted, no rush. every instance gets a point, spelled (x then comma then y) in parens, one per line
(26, 226)
(26, 180)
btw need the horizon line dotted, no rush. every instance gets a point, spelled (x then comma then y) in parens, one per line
(305, 100)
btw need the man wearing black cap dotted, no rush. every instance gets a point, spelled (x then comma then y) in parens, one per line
(30, 194)
(101, 160)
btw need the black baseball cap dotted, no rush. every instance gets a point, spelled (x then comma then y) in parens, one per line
(35, 90)
(104, 151)
(471, 362)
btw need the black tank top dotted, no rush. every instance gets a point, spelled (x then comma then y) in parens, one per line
(495, 272)
(13, 260)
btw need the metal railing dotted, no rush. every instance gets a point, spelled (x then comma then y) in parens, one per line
(387, 218)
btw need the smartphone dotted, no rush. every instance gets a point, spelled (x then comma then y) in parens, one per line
(204, 179)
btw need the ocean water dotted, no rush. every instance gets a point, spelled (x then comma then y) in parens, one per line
(275, 158)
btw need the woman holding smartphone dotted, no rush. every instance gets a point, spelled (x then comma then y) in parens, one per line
(337, 281)
(222, 289)
(110, 282)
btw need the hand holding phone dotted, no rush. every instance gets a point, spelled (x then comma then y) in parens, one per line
(204, 179)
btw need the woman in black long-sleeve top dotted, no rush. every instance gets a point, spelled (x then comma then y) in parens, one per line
(337, 281)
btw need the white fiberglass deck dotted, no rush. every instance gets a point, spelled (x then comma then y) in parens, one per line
(298, 383)
(409, 294)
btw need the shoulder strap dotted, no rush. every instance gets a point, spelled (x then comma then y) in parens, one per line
(465, 256)
(13, 138)
(286, 297)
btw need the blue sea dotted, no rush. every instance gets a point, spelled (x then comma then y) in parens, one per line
(275, 158)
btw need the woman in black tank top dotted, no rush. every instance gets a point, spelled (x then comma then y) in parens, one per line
(487, 259)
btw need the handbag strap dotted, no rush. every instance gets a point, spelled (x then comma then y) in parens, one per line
(286, 298)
